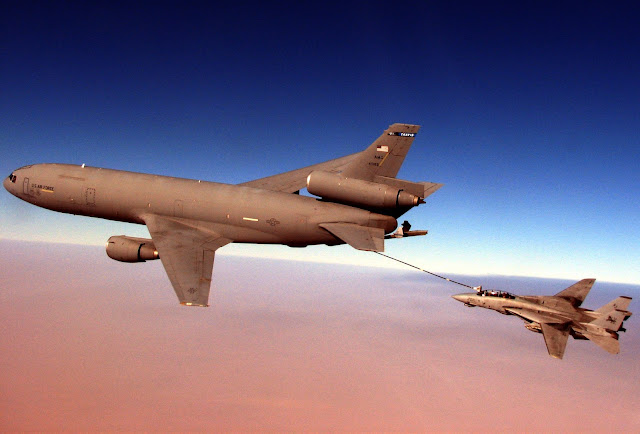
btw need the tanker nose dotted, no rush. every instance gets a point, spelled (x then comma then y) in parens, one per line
(7, 183)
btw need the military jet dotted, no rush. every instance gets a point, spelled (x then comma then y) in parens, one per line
(358, 199)
(560, 315)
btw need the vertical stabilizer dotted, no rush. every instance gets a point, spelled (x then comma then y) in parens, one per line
(385, 156)
(620, 303)
(611, 320)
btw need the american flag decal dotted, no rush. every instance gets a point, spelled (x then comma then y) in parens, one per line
(382, 149)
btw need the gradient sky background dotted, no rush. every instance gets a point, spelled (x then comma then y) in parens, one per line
(530, 115)
(91, 344)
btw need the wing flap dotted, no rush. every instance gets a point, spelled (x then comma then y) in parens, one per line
(358, 237)
(187, 252)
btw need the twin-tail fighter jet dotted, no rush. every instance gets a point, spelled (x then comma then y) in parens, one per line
(560, 315)
(358, 201)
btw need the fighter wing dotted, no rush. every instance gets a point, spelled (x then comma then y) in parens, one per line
(555, 329)
(555, 336)
(577, 292)
(187, 250)
(295, 180)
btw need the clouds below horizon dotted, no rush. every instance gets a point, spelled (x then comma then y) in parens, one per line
(93, 344)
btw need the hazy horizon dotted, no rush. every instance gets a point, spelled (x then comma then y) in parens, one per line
(93, 344)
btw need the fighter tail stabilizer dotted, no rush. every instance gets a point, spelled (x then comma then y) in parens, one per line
(620, 303)
(607, 343)
(610, 321)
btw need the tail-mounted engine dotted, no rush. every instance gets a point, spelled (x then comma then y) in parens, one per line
(350, 191)
(131, 249)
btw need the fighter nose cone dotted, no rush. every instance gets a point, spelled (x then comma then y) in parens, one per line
(460, 297)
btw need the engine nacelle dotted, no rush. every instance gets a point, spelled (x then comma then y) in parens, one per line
(131, 249)
(336, 188)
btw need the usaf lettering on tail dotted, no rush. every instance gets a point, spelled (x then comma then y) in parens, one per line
(560, 315)
(359, 200)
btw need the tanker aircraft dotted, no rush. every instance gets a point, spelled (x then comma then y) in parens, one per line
(560, 315)
(358, 201)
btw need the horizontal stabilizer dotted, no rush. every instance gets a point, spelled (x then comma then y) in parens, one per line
(611, 321)
(358, 237)
(555, 337)
(607, 343)
(538, 316)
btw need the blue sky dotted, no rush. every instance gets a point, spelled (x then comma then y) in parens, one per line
(529, 115)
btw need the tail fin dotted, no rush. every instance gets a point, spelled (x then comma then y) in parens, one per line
(384, 156)
(577, 292)
(620, 303)
(611, 320)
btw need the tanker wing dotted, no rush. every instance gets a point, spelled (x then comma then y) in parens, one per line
(187, 250)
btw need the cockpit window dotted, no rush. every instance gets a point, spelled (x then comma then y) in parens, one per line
(12, 178)
(494, 293)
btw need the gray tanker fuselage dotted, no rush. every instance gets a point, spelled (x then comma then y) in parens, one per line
(358, 201)
(243, 214)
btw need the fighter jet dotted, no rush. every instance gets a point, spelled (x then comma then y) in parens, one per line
(560, 315)
(358, 199)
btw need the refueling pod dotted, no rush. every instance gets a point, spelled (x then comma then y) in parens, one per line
(352, 191)
(131, 249)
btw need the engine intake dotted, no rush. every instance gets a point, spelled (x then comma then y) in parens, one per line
(131, 249)
(336, 188)
(533, 326)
